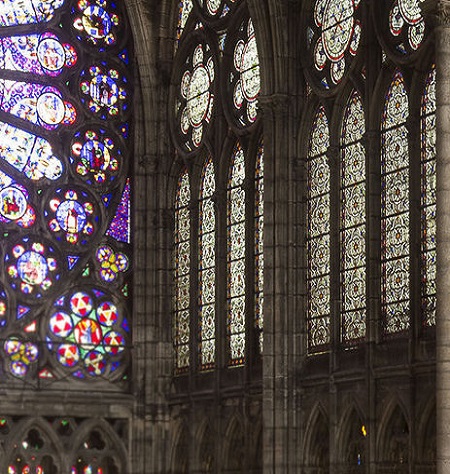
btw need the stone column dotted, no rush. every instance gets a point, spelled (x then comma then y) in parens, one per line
(441, 10)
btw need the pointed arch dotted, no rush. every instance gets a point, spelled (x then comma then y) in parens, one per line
(236, 448)
(206, 454)
(426, 437)
(236, 252)
(33, 443)
(316, 449)
(180, 450)
(318, 233)
(352, 441)
(394, 439)
(353, 221)
(428, 197)
(97, 446)
(182, 273)
(206, 268)
(395, 209)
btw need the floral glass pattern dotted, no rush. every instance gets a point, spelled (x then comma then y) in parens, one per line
(353, 222)
(182, 273)
(64, 192)
(333, 38)
(428, 198)
(236, 257)
(395, 209)
(207, 272)
(318, 234)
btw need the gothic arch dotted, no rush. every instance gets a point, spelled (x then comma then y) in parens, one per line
(180, 449)
(205, 455)
(96, 441)
(316, 448)
(393, 440)
(234, 446)
(352, 443)
(32, 440)
(426, 437)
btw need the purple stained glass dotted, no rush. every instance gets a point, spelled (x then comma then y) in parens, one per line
(121, 224)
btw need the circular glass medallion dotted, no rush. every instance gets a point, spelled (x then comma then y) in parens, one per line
(88, 333)
(96, 21)
(32, 267)
(13, 203)
(51, 108)
(71, 216)
(51, 54)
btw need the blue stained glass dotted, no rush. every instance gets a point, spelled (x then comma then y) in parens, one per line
(121, 225)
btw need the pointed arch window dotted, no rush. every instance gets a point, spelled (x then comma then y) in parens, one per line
(207, 268)
(318, 234)
(182, 272)
(428, 198)
(259, 245)
(217, 68)
(353, 222)
(395, 209)
(236, 257)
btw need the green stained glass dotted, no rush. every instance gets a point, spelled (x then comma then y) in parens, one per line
(428, 199)
(318, 243)
(182, 273)
(207, 272)
(395, 240)
(353, 222)
(236, 257)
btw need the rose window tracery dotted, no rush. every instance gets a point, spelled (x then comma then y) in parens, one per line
(65, 193)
